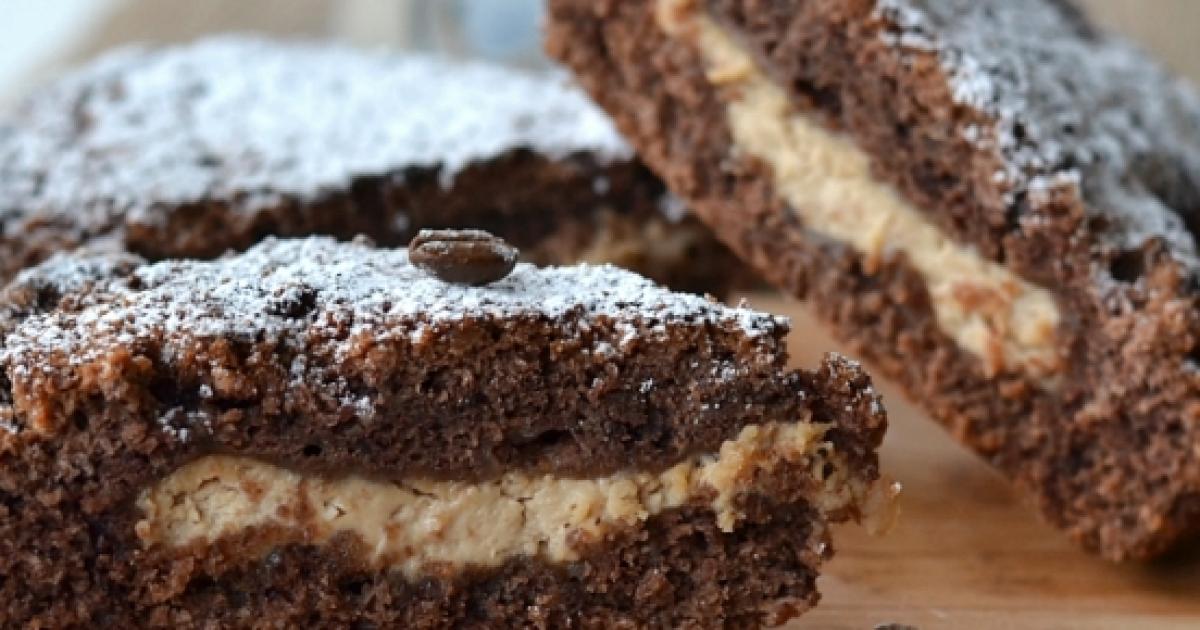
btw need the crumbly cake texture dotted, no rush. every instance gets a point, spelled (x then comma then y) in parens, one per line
(333, 359)
(1034, 142)
(194, 150)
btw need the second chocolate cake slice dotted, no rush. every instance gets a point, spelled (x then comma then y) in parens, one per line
(991, 199)
(189, 151)
(314, 434)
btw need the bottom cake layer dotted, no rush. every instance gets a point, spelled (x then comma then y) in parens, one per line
(676, 570)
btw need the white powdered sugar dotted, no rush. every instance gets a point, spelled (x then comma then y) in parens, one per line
(249, 121)
(1073, 107)
(302, 292)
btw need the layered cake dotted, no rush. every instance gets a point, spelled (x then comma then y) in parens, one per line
(195, 150)
(324, 434)
(990, 199)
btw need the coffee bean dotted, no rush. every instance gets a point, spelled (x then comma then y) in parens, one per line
(470, 257)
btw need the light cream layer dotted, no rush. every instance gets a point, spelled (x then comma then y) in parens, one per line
(413, 525)
(989, 311)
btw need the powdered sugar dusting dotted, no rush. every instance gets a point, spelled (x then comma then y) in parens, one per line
(249, 121)
(1073, 108)
(304, 291)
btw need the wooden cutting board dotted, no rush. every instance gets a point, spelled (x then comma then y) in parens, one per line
(966, 553)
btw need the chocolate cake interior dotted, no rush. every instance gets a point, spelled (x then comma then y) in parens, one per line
(981, 197)
(322, 433)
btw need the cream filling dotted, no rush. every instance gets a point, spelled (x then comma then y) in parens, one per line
(988, 311)
(414, 525)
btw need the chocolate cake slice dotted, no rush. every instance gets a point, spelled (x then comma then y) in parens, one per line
(992, 200)
(323, 434)
(194, 150)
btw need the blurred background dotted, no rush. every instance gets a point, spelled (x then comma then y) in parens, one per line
(42, 38)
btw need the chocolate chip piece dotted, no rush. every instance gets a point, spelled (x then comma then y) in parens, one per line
(294, 302)
(470, 257)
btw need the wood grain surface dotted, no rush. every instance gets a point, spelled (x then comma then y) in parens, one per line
(966, 553)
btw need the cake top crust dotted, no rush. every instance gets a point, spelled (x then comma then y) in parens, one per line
(247, 121)
(320, 295)
(1072, 107)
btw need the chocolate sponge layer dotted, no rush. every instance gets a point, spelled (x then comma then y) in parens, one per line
(333, 359)
(1107, 450)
